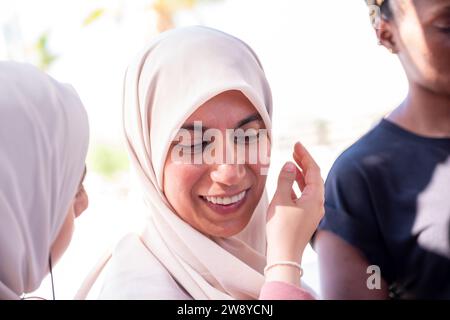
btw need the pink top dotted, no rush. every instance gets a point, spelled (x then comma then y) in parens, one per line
(277, 290)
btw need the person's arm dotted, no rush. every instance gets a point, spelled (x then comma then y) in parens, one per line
(283, 282)
(343, 270)
(291, 221)
(350, 236)
(280, 290)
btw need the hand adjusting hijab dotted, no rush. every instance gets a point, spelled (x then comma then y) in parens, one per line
(178, 72)
(43, 144)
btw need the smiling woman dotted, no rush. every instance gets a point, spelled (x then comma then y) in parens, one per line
(218, 199)
(205, 236)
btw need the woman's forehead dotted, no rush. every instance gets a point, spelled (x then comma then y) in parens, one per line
(226, 109)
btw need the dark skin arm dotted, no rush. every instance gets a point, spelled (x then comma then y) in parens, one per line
(343, 270)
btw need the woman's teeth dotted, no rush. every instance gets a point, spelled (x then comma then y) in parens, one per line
(226, 200)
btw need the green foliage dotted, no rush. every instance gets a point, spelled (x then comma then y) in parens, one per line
(93, 16)
(108, 160)
(44, 56)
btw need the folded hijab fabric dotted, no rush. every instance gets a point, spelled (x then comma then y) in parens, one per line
(43, 144)
(178, 72)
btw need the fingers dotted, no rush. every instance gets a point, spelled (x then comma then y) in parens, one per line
(313, 182)
(300, 180)
(286, 179)
(293, 195)
(308, 179)
(306, 162)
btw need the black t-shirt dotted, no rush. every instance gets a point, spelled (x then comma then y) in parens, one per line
(389, 196)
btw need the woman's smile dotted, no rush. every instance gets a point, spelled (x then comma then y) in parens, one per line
(226, 204)
(219, 199)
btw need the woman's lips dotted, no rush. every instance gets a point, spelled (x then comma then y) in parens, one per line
(226, 208)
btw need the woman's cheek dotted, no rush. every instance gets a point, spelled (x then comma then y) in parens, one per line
(259, 173)
(181, 179)
(261, 168)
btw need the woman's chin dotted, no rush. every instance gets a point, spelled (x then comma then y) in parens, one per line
(225, 232)
(229, 228)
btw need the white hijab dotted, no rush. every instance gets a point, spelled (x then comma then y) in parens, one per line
(43, 144)
(178, 72)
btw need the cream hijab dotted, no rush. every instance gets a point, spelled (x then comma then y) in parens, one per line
(43, 144)
(178, 72)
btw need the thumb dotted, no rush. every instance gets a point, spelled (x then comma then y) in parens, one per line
(286, 180)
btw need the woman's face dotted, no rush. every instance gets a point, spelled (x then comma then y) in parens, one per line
(218, 198)
(421, 36)
(78, 205)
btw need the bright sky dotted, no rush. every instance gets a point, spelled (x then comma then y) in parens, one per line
(321, 57)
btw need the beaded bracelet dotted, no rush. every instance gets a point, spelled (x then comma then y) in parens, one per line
(284, 263)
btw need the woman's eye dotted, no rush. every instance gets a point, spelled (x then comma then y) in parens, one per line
(443, 25)
(246, 138)
(195, 148)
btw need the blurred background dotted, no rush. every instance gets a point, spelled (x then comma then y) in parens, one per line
(331, 82)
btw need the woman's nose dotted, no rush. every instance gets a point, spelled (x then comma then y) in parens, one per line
(228, 174)
(81, 202)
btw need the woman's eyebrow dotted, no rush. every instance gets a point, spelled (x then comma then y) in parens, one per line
(441, 10)
(251, 118)
(192, 127)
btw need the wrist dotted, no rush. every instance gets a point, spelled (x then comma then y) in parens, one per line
(277, 255)
(284, 271)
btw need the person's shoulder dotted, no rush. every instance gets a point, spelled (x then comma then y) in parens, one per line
(134, 272)
(131, 249)
(360, 154)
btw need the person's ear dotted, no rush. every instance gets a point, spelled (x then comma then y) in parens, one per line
(386, 35)
(81, 202)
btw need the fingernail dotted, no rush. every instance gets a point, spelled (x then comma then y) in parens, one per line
(289, 167)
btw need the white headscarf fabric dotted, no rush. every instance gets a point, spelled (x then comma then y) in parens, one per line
(43, 144)
(178, 72)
